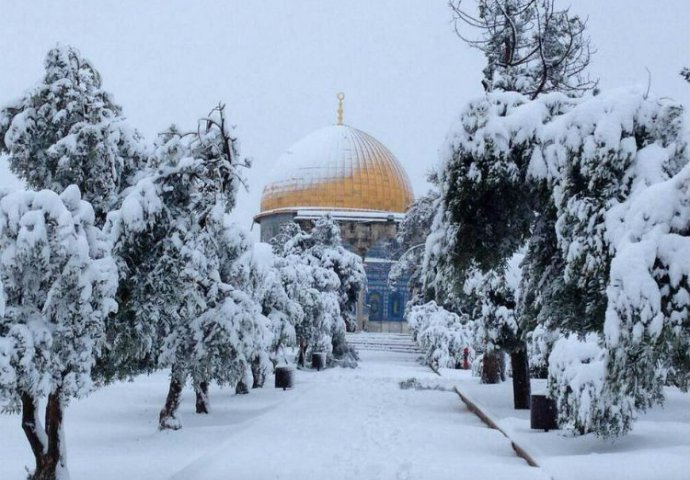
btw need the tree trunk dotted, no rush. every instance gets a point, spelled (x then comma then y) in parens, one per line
(301, 358)
(202, 405)
(167, 418)
(258, 373)
(241, 388)
(491, 367)
(502, 365)
(521, 385)
(49, 458)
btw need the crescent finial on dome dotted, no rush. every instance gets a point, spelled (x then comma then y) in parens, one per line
(341, 97)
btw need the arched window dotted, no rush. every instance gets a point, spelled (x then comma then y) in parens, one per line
(375, 303)
(396, 307)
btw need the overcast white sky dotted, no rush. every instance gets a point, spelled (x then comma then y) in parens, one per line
(279, 64)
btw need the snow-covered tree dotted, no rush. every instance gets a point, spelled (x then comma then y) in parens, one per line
(219, 327)
(577, 380)
(325, 279)
(602, 381)
(282, 311)
(485, 216)
(185, 302)
(588, 161)
(147, 247)
(315, 288)
(409, 244)
(488, 210)
(329, 250)
(58, 282)
(221, 332)
(554, 174)
(624, 211)
(496, 324)
(67, 130)
(443, 336)
(530, 46)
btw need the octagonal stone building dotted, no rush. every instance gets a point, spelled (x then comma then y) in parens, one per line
(347, 173)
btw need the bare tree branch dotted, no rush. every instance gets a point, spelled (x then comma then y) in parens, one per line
(530, 46)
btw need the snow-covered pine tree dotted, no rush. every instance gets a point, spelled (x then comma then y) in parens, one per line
(58, 283)
(485, 216)
(297, 280)
(328, 248)
(183, 304)
(409, 245)
(647, 327)
(219, 328)
(150, 232)
(589, 160)
(496, 326)
(308, 272)
(147, 249)
(67, 130)
(442, 335)
(283, 312)
(230, 342)
(617, 163)
(488, 207)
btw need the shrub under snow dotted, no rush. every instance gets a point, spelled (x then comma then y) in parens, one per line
(577, 380)
(442, 335)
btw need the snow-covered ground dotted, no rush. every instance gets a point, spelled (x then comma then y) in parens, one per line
(657, 448)
(335, 424)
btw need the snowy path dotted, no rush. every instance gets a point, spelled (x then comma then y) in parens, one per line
(359, 424)
(336, 424)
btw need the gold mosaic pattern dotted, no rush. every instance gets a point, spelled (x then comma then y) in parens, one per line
(357, 173)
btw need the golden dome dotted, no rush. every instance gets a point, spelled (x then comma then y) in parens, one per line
(338, 168)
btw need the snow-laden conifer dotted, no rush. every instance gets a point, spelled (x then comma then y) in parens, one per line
(325, 279)
(58, 283)
(409, 245)
(329, 250)
(562, 175)
(496, 324)
(281, 310)
(577, 380)
(185, 301)
(624, 210)
(487, 210)
(596, 260)
(443, 336)
(67, 130)
(315, 288)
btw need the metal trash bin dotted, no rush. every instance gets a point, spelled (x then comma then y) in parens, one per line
(543, 413)
(285, 377)
(318, 360)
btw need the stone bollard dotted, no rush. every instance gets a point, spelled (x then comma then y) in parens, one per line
(285, 377)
